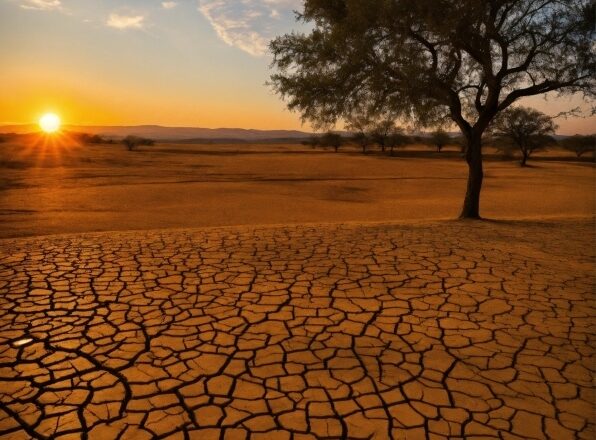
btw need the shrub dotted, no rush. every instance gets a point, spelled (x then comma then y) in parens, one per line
(132, 142)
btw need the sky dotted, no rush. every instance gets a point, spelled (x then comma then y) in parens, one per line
(200, 63)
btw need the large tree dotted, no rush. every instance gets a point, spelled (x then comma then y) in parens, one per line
(434, 60)
(524, 128)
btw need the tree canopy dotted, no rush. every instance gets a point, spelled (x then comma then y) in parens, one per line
(432, 60)
(383, 131)
(580, 145)
(131, 142)
(524, 128)
(361, 125)
(440, 138)
(331, 139)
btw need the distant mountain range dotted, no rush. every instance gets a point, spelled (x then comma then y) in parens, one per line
(170, 133)
(190, 134)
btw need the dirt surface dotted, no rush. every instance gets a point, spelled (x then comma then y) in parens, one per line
(354, 318)
(58, 187)
(441, 330)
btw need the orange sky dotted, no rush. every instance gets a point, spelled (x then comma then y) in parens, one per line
(108, 105)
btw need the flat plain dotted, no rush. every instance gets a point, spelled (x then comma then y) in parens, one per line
(60, 189)
(280, 292)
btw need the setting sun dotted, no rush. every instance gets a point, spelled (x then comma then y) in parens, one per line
(50, 122)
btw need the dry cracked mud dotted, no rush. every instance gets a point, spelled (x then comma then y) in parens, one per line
(446, 330)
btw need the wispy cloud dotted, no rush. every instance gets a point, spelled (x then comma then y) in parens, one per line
(41, 5)
(120, 21)
(169, 5)
(249, 25)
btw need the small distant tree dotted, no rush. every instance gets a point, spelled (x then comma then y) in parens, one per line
(360, 124)
(580, 145)
(332, 140)
(382, 130)
(524, 128)
(96, 139)
(132, 142)
(315, 141)
(362, 140)
(88, 139)
(440, 138)
(398, 139)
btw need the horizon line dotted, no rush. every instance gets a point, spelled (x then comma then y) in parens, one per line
(304, 131)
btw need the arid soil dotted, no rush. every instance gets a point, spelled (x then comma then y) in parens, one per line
(441, 330)
(279, 292)
(63, 188)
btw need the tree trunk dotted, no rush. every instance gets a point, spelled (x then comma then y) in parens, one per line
(524, 157)
(471, 208)
(392, 147)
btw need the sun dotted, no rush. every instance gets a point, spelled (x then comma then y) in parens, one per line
(50, 123)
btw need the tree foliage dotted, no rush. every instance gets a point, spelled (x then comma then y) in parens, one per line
(383, 131)
(432, 60)
(330, 139)
(524, 128)
(378, 128)
(580, 145)
(440, 139)
(361, 125)
(362, 139)
(398, 139)
(89, 139)
(132, 142)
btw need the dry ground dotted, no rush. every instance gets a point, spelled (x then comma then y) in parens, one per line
(356, 330)
(445, 330)
(104, 188)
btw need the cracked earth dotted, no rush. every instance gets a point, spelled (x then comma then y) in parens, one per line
(445, 330)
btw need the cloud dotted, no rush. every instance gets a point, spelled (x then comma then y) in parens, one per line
(119, 21)
(41, 5)
(169, 5)
(249, 25)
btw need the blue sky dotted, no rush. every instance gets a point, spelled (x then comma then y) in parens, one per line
(173, 62)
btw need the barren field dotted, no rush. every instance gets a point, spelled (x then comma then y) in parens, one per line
(279, 292)
(441, 330)
(62, 189)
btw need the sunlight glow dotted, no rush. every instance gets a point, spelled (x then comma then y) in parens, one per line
(21, 342)
(50, 123)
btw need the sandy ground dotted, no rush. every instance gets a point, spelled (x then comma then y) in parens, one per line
(61, 188)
